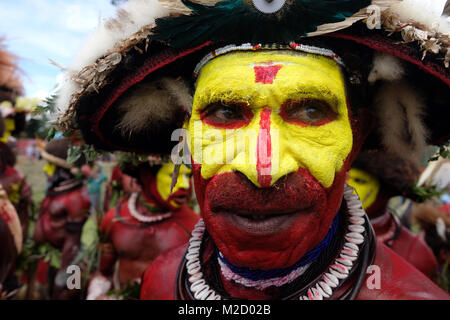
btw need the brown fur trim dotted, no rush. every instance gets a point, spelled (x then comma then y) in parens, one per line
(400, 110)
(398, 175)
(153, 104)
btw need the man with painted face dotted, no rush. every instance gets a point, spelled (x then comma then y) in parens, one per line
(143, 225)
(377, 177)
(11, 234)
(281, 107)
(14, 183)
(62, 214)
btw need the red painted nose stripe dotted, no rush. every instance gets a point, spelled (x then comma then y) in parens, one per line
(264, 156)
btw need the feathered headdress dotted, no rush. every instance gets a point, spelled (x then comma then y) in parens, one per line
(10, 79)
(129, 87)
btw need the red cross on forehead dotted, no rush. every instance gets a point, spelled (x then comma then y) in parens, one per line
(266, 73)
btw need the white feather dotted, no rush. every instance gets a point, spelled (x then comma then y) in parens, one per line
(131, 17)
(386, 67)
(427, 12)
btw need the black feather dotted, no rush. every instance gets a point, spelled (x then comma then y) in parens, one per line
(234, 21)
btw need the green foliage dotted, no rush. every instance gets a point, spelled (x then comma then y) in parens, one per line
(131, 291)
(443, 152)
(424, 194)
(444, 277)
(75, 152)
(129, 158)
(88, 257)
(47, 106)
(32, 252)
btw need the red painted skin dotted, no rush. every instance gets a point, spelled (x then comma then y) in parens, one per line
(136, 246)
(8, 252)
(13, 181)
(122, 182)
(410, 247)
(399, 279)
(55, 212)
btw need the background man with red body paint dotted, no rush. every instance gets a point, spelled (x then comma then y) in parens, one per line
(278, 220)
(143, 224)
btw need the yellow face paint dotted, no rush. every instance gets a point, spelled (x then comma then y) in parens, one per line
(10, 126)
(164, 181)
(266, 84)
(366, 186)
(49, 169)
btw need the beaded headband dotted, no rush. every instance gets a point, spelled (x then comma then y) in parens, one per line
(249, 47)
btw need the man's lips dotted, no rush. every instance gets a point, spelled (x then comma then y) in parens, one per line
(261, 223)
(180, 197)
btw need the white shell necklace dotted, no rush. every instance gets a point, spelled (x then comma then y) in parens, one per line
(336, 273)
(141, 218)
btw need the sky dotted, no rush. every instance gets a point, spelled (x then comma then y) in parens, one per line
(36, 30)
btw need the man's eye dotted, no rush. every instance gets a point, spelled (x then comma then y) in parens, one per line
(233, 115)
(309, 111)
(360, 181)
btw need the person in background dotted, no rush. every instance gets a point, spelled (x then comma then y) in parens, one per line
(95, 181)
(377, 177)
(11, 123)
(62, 214)
(142, 225)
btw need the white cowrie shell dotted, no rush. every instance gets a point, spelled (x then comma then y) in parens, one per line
(331, 280)
(338, 274)
(356, 228)
(345, 261)
(350, 245)
(322, 292)
(326, 288)
(357, 220)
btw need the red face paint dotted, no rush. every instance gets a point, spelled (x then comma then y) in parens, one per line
(266, 74)
(264, 158)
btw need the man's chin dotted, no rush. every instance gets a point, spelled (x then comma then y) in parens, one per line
(263, 244)
(266, 228)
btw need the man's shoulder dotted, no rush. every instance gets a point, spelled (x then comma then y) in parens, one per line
(393, 278)
(160, 277)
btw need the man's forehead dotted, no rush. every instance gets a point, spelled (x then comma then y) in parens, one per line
(266, 58)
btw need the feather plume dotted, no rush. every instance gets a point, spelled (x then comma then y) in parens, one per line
(386, 67)
(10, 78)
(237, 21)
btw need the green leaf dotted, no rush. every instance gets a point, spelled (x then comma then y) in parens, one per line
(73, 154)
(89, 235)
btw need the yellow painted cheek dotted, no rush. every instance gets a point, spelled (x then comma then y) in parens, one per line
(366, 186)
(164, 180)
(221, 151)
(49, 169)
(10, 125)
